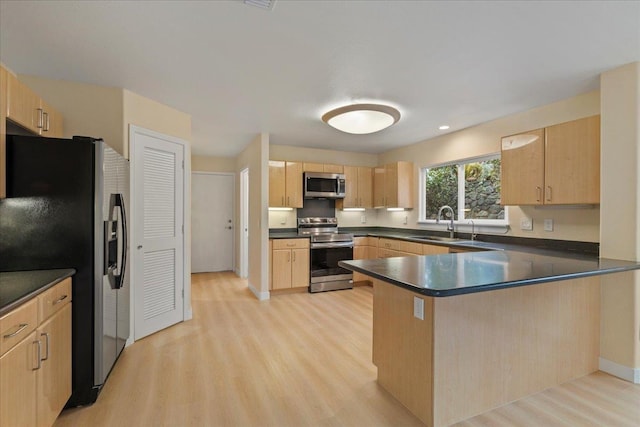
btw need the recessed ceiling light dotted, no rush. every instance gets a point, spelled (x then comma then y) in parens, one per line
(444, 127)
(262, 4)
(362, 118)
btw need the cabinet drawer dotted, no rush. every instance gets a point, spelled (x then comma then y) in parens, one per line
(54, 299)
(17, 324)
(392, 244)
(411, 247)
(434, 249)
(290, 243)
(389, 253)
(360, 241)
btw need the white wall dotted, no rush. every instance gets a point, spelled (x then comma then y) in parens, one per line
(256, 158)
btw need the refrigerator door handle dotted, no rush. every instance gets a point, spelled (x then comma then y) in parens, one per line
(111, 262)
(123, 263)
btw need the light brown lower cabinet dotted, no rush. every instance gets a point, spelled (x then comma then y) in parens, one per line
(290, 263)
(18, 383)
(54, 376)
(35, 373)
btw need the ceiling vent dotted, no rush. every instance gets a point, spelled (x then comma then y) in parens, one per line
(262, 4)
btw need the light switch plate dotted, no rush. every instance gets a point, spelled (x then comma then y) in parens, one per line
(526, 223)
(548, 224)
(418, 308)
(363, 219)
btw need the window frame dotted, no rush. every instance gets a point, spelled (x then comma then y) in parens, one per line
(501, 223)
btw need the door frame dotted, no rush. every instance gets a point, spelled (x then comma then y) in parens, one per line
(244, 223)
(186, 212)
(234, 264)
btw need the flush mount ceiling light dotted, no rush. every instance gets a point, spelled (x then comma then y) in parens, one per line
(444, 127)
(362, 118)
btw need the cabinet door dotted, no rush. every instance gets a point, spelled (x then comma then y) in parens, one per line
(359, 252)
(294, 185)
(51, 122)
(299, 268)
(276, 183)
(379, 187)
(365, 186)
(572, 162)
(391, 185)
(312, 167)
(281, 269)
(404, 183)
(351, 190)
(333, 168)
(522, 168)
(54, 376)
(18, 384)
(23, 105)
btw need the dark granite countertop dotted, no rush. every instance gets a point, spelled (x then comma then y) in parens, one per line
(462, 273)
(559, 248)
(17, 287)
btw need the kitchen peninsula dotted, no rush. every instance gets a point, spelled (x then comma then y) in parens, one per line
(455, 335)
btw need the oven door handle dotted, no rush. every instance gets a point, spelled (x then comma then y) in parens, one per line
(332, 245)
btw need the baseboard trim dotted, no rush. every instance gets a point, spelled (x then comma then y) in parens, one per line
(620, 371)
(260, 295)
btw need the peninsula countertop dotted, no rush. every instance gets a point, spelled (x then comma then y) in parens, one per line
(17, 287)
(462, 273)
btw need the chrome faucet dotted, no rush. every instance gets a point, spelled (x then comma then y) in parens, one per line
(473, 230)
(450, 226)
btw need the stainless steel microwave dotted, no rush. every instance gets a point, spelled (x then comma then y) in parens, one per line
(318, 185)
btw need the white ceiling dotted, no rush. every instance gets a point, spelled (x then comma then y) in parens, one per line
(239, 70)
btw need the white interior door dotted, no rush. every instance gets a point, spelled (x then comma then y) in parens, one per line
(212, 221)
(158, 240)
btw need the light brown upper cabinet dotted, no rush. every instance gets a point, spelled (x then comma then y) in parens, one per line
(51, 121)
(393, 185)
(359, 188)
(23, 105)
(321, 167)
(285, 184)
(25, 108)
(522, 168)
(558, 165)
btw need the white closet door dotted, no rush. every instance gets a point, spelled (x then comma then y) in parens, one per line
(158, 235)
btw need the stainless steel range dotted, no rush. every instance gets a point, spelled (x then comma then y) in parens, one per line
(328, 247)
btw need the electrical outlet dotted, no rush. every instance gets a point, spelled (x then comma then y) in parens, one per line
(526, 223)
(406, 219)
(283, 220)
(548, 224)
(363, 219)
(418, 308)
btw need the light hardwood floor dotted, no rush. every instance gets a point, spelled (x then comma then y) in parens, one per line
(298, 360)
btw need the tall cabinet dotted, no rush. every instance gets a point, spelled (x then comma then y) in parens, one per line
(359, 188)
(557, 165)
(393, 185)
(285, 184)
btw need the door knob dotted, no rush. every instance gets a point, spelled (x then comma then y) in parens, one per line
(139, 246)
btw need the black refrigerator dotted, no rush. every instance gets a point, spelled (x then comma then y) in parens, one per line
(66, 207)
